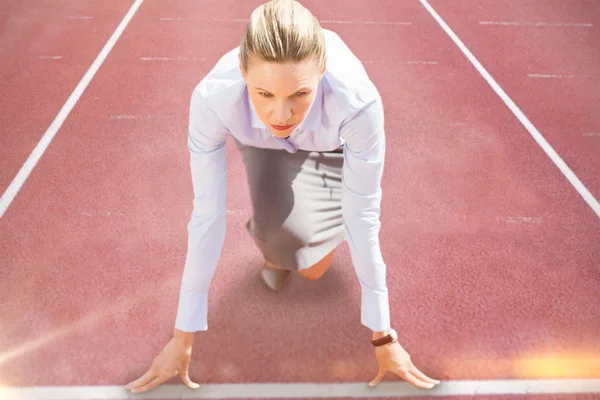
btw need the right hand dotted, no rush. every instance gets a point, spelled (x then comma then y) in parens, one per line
(173, 360)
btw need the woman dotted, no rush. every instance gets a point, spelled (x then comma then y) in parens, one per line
(309, 124)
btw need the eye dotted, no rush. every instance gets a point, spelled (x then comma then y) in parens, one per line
(300, 94)
(264, 94)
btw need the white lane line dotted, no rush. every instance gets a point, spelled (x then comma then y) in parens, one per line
(205, 19)
(321, 21)
(520, 220)
(365, 22)
(551, 76)
(243, 212)
(420, 62)
(128, 117)
(311, 390)
(163, 58)
(558, 161)
(590, 134)
(546, 24)
(416, 62)
(9, 195)
(50, 57)
(79, 17)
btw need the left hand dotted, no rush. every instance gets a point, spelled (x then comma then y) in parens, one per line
(393, 358)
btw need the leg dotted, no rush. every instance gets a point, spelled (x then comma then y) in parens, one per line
(312, 273)
(296, 204)
(318, 270)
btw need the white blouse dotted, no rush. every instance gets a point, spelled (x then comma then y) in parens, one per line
(347, 111)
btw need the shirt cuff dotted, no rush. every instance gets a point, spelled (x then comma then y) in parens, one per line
(375, 312)
(192, 313)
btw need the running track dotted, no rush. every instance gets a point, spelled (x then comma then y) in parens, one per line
(492, 241)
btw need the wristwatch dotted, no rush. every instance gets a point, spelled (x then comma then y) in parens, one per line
(389, 338)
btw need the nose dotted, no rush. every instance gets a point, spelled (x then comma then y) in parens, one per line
(281, 113)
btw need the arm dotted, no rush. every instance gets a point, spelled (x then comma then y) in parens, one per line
(206, 228)
(206, 144)
(361, 198)
(364, 155)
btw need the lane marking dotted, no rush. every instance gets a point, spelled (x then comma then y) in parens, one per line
(243, 212)
(163, 58)
(558, 161)
(401, 62)
(129, 117)
(321, 21)
(548, 24)
(9, 195)
(50, 57)
(205, 19)
(520, 220)
(551, 76)
(596, 134)
(365, 22)
(312, 390)
(79, 17)
(420, 62)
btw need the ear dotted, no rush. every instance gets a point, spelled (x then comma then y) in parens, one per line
(324, 67)
(241, 67)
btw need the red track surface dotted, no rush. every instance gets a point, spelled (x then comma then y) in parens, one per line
(564, 110)
(35, 84)
(492, 254)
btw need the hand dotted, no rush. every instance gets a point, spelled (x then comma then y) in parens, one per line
(173, 360)
(393, 358)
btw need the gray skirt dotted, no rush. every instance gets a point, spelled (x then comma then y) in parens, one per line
(296, 204)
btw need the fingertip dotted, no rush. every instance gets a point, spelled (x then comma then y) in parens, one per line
(189, 383)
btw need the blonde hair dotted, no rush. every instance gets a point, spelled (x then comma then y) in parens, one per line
(282, 31)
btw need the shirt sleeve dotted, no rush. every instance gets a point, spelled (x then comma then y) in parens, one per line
(206, 228)
(364, 154)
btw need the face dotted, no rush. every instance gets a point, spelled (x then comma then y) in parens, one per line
(282, 94)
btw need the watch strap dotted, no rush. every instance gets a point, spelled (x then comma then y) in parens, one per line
(387, 339)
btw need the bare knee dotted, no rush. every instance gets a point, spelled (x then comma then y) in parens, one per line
(316, 271)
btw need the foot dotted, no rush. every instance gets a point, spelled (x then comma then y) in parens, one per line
(274, 278)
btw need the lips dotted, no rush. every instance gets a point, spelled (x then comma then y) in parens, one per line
(282, 127)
